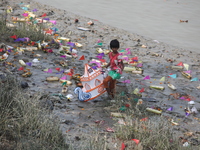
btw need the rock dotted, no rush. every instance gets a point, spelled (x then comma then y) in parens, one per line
(47, 104)
(2, 77)
(68, 122)
(85, 124)
(77, 138)
(24, 84)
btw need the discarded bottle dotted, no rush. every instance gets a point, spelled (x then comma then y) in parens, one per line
(137, 71)
(155, 54)
(78, 45)
(177, 67)
(22, 63)
(35, 62)
(153, 110)
(187, 75)
(116, 114)
(52, 78)
(171, 86)
(30, 48)
(129, 68)
(157, 87)
(174, 123)
(39, 46)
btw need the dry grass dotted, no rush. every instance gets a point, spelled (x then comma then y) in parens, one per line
(154, 133)
(35, 32)
(23, 123)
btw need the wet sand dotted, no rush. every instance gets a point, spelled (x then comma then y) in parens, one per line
(78, 118)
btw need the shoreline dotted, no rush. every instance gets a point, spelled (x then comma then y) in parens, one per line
(178, 30)
(157, 59)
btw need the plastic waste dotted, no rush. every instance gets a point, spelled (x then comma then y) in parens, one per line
(191, 107)
(5, 55)
(171, 86)
(116, 114)
(35, 62)
(52, 78)
(78, 45)
(140, 101)
(155, 54)
(67, 81)
(193, 110)
(19, 52)
(137, 71)
(27, 74)
(174, 123)
(157, 87)
(30, 48)
(64, 90)
(105, 73)
(187, 75)
(84, 29)
(60, 96)
(114, 74)
(22, 63)
(129, 68)
(153, 110)
(90, 23)
(39, 46)
(69, 96)
(185, 144)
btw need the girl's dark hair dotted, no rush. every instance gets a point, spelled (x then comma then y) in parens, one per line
(114, 44)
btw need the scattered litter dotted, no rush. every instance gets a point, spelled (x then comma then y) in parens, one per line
(184, 21)
(171, 86)
(52, 78)
(157, 87)
(149, 99)
(186, 144)
(153, 110)
(22, 63)
(69, 96)
(109, 130)
(82, 28)
(187, 75)
(120, 115)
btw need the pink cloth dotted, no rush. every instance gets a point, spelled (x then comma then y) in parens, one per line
(115, 63)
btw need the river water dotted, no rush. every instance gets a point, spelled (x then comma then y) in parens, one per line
(155, 19)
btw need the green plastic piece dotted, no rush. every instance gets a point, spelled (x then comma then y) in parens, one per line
(100, 44)
(114, 74)
(122, 93)
(123, 108)
(136, 99)
(122, 51)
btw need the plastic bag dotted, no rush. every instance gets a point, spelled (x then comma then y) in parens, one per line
(114, 74)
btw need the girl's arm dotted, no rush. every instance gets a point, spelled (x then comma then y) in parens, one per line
(122, 64)
(108, 65)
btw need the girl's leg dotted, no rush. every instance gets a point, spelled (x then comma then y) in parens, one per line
(112, 87)
(106, 83)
